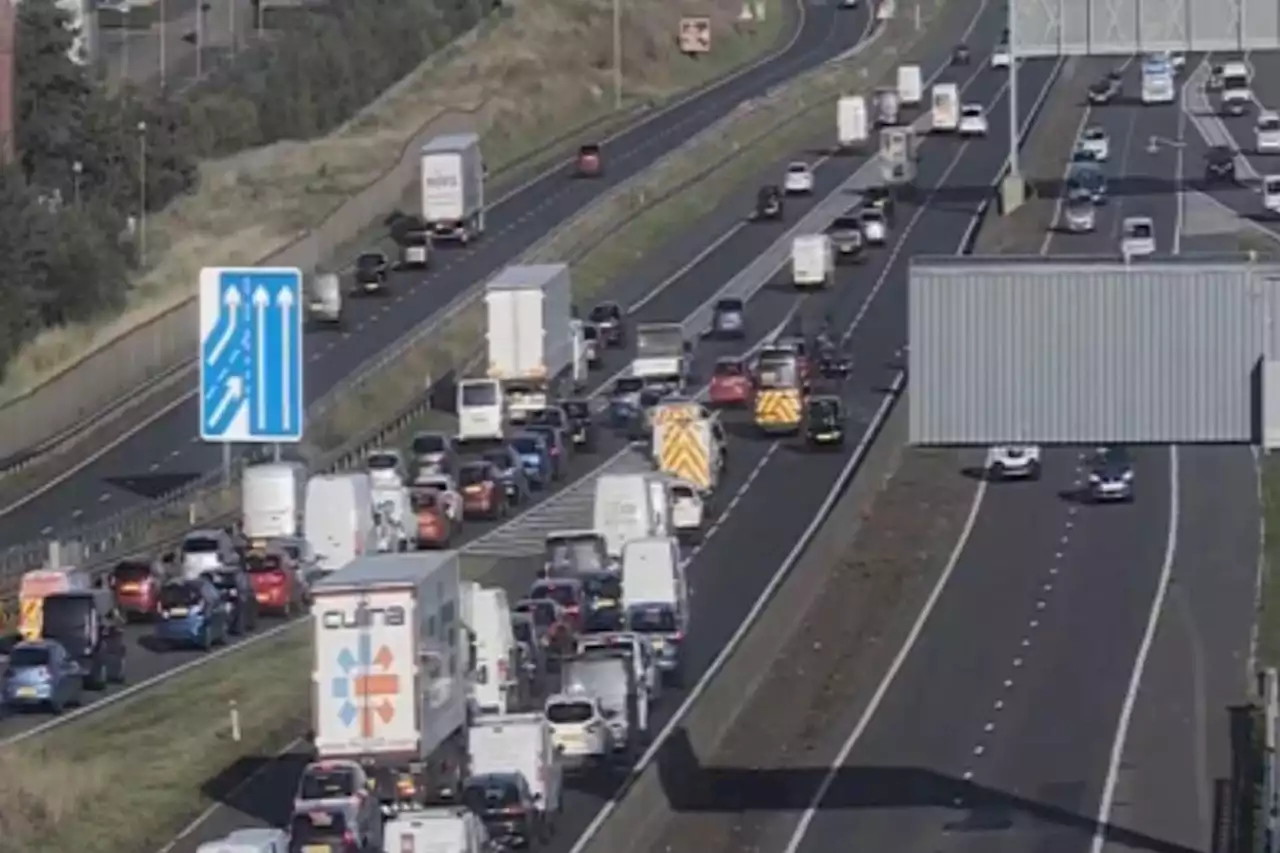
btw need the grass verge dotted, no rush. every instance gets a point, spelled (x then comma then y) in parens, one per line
(127, 778)
(632, 221)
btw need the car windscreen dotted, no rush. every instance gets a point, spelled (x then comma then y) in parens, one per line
(604, 313)
(845, 223)
(602, 585)
(547, 417)
(729, 368)
(498, 458)
(729, 305)
(481, 394)
(1140, 230)
(381, 461)
(561, 593)
(180, 595)
(262, 563)
(546, 431)
(559, 713)
(628, 385)
(131, 572)
(1271, 186)
(590, 333)
(543, 613)
(424, 444)
(327, 783)
(200, 545)
(490, 792)
(368, 262)
(29, 656)
(523, 631)
(223, 580)
(526, 445)
(652, 620)
(580, 553)
(470, 475)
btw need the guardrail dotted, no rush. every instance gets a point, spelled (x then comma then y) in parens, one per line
(111, 539)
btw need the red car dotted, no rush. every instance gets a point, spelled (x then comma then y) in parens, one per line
(136, 585)
(482, 492)
(568, 593)
(730, 383)
(590, 164)
(554, 628)
(275, 583)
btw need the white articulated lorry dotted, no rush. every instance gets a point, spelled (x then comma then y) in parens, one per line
(451, 169)
(389, 685)
(532, 337)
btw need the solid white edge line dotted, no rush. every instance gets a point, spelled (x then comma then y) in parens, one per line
(1139, 664)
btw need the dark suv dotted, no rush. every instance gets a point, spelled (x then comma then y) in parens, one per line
(88, 626)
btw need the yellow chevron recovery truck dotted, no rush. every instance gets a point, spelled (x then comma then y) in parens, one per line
(780, 390)
(688, 443)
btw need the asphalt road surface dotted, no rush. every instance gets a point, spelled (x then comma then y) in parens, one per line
(1031, 648)
(168, 452)
(772, 485)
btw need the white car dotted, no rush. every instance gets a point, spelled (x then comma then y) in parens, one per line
(1177, 59)
(1138, 237)
(1013, 462)
(799, 178)
(973, 120)
(1267, 130)
(1079, 212)
(1096, 143)
(1001, 58)
(1271, 194)
(874, 228)
(579, 727)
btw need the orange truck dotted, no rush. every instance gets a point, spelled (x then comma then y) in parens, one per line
(39, 584)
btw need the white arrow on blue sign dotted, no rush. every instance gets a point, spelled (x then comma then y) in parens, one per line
(251, 354)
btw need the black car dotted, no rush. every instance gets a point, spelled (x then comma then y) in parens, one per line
(582, 426)
(1104, 91)
(961, 55)
(507, 808)
(831, 361)
(846, 238)
(729, 318)
(769, 204)
(881, 198)
(510, 472)
(88, 626)
(1220, 164)
(1111, 476)
(608, 318)
(824, 421)
(603, 589)
(372, 269)
(237, 597)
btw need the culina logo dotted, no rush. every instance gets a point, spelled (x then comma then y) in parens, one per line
(366, 687)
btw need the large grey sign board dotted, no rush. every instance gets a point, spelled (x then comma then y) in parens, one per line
(1091, 351)
(1124, 27)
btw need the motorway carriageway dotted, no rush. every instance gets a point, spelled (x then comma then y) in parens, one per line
(167, 453)
(1030, 647)
(682, 291)
(772, 486)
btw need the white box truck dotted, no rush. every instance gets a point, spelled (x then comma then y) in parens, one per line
(662, 355)
(531, 334)
(910, 85)
(624, 510)
(339, 518)
(946, 108)
(389, 683)
(813, 260)
(451, 168)
(521, 743)
(272, 497)
(852, 129)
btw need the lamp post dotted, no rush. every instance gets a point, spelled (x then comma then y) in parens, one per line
(164, 47)
(142, 194)
(617, 54)
(77, 170)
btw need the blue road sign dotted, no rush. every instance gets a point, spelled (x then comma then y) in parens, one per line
(251, 355)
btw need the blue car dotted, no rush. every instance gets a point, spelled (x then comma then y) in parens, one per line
(624, 401)
(41, 674)
(535, 458)
(192, 613)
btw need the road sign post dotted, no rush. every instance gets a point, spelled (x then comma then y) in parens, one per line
(251, 361)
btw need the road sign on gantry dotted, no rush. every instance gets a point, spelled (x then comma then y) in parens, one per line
(251, 354)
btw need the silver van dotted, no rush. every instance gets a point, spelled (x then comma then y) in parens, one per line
(325, 303)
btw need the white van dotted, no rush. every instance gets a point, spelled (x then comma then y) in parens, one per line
(655, 597)
(339, 521)
(1267, 131)
(252, 840)
(394, 519)
(851, 121)
(687, 508)
(480, 410)
(447, 829)
(910, 85)
(524, 744)
(813, 260)
(946, 108)
(495, 681)
(1271, 193)
(623, 510)
(272, 498)
(325, 306)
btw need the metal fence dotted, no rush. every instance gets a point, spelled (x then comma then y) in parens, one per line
(126, 533)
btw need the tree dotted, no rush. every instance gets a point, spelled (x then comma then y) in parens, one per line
(52, 93)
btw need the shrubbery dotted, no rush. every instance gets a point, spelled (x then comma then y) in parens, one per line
(69, 203)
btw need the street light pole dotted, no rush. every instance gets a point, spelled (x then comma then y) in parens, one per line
(200, 38)
(1015, 167)
(617, 54)
(164, 58)
(142, 193)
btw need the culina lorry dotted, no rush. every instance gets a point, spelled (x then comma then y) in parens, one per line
(532, 337)
(390, 675)
(452, 172)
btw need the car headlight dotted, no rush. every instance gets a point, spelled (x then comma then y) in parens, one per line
(1094, 478)
(1128, 476)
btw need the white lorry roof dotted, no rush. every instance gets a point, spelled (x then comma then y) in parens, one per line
(524, 276)
(450, 142)
(407, 569)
